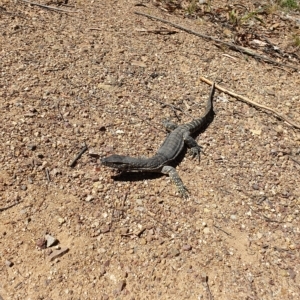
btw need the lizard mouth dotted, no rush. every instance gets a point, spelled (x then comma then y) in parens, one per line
(117, 167)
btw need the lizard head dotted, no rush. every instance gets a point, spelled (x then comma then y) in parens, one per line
(119, 162)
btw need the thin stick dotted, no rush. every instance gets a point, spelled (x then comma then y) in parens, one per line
(10, 206)
(158, 31)
(173, 107)
(49, 7)
(255, 104)
(47, 175)
(296, 161)
(230, 45)
(149, 123)
(222, 230)
(73, 163)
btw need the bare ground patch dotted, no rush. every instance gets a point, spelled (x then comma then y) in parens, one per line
(91, 77)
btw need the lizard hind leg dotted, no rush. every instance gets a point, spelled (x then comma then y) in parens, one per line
(169, 125)
(168, 170)
(195, 149)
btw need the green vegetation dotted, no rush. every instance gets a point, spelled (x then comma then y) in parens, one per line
(296, 40)
(289, 4)
(192, 7)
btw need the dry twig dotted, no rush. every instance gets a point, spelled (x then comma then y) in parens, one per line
(73, 163)
(8, 207)
(222, 230)
(255, 104)
(173, 107)
(49, 7)
(158, 31)
(47, 175)
(294, 160)
(228, 44)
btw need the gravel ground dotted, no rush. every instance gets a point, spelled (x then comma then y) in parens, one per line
(95, 77)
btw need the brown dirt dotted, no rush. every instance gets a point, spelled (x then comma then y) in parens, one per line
(64, 83)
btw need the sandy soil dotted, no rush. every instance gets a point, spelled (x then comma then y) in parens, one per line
(95, 76)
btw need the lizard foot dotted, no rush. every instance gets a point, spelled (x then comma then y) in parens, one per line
(196, 151)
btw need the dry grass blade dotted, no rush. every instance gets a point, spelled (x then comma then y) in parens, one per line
(230, 45)
(49, 7)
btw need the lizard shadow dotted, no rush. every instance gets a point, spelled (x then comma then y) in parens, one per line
(136, 176)
(139, 175)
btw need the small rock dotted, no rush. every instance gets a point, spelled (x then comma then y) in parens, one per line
(23, 187)
(139, 201)
(279, 129)
(124, 231)
(48, 251)
(206, 230)
(61, 220)
(292, 246)
(174, 252)
(29, 115)
(9, 263)
(143, 241)
(89, 198)
(233, 217)
(45, 164)
(204, 277)
(55, 171)
(98, 185)
(121, 286)
(259, 235)
(102, 271)
(256, 132)
(37, 162)
(292, 273)
(41, 243)
(32, 147)
(95, 224)
(51, 241)
(105, 297)
(186, 247)
(94, 153)
(58, 253)
(105, 87)
(105, 229)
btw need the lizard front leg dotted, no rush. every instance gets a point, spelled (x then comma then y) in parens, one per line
(168, 170)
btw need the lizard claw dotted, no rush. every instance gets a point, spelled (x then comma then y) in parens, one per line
(195, 151)
(184, 193)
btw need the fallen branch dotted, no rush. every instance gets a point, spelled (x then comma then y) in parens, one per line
(49, 7)
(255, 104)
(228, 44)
